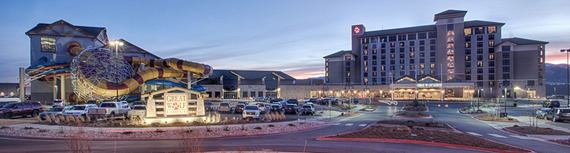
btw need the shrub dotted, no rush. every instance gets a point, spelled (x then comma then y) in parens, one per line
(271, 125)
(259, 128)
(291, 124)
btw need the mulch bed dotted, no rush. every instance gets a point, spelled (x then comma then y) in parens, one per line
(491, 117)
(412, 123)
(410, 107)
(422, 134)
(537, 130)
(348, 114)
(411, 114)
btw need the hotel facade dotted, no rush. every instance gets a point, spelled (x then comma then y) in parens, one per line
(452, 58)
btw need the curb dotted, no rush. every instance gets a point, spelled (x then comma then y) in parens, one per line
(495, 121)
(515, 132)
(152, 139)
(414, 117)
(422, 143)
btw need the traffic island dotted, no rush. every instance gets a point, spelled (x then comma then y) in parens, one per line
(495, 118)
(444, 136)
(471, 110)
(542, 133)
(369, 108)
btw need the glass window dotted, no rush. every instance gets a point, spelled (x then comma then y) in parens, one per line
(365, 57)
(491, 57)
(479, 64)
(402, 50)
(491, 37)
(479, 57)
(48, 44)
(374, 40)
(382, 39)
(491, 63)
(392, 38)
(401, 37)
(491, 43)
(506, 55)
(467, 58)
(468, 77)
(467, 51)
(392, 44)
(491, 77)
(491, 50)
(422, 60)
(432, 48)
(432, 35)
(506, 62)
(412, 43)
(479, 38)
(383, 45)
(412, 61)
(412, 36)
(450, 27)
(491, 29)
(506, 69)
(422, 48)
(422, 35)
(506, 48)
(468, 64)
(479, 70)
(422, 42)
(491, 70)
(479, 30)
(432, 41)
(479, 44)
(402, 44)
(432, 66)
(467, 45)
(467, 31)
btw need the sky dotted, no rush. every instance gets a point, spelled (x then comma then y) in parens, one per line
(291, 36)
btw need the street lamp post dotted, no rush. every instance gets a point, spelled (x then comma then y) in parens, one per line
(567, 76)
(116, 43)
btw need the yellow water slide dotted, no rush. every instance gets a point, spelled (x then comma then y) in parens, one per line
(156, 68)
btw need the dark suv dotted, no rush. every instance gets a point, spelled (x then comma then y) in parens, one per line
(551, 104)
(32, 108)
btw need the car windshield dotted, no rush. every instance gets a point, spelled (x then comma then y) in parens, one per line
(108, 105)
(240, 105)
(290, 105)
(78, 108)
(308, 107)
(55, 109)
(57, 101)
(274, 106)
(224, 104)
(251, 108)
(564, 110)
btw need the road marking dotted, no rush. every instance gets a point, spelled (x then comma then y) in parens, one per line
(349, 124)
(336, 124)
(473, 133)
(523, 137)
(362, 125)
(496, 135)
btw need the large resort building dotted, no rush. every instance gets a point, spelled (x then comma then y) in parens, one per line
(451, 59)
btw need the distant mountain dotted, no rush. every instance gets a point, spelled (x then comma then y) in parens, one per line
(555, 73)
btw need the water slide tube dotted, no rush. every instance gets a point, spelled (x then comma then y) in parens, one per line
(157, 68)
(49, 69)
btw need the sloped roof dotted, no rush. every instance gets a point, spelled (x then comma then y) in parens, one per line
(478, 23)
(522, 41)
(127, 43)
(451, 12)
(249, 74)
(94, 31)
(338, 54)
(423, 28)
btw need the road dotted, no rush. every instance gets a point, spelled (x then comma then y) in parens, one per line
(295, 141)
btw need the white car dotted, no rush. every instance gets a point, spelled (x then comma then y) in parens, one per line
(79, 110)
(251, 111)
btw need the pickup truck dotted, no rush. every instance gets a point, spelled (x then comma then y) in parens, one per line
(109, 110)
(137, 112)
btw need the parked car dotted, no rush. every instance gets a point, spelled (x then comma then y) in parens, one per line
(96, 102)
(55, 111)
(137, 112)
(551, 104)
(262, 107)
(32, 108)
(540, 113)
(558, 114)
(347, 101)
(59, 103)
(79, 110)
(276, 108)
(293, 101)
(251, 111)
(110, 110)
(239, 108)
(307, 109)
(225, 107)
(310, 103)
(291, 109)
(208, 106)
(312, 100)
(325, 101)
(137, 103)
(277, 103)
(260, 99)
(275, 99)
(6, 102)
(243, 102)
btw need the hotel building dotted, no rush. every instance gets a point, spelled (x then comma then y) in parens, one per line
(471, 54)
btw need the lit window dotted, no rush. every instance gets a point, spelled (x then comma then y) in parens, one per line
(450, 33)
(450, 65)
(365, 52)
(450, 39)
(422, 66)
(479, 64)
(347, 74)
(411, 55)
(347, 58)
(449, 45)
(492, 29)
(365, 69)
(491, 57)
(401, 43)
(450, 59)
(467, 31)
(491, 43)
(412, 67)
(432, 66)
(449, 51)
(382, 68)
(365, 63)
(374, 51)
(48, 44)
(422, 72)
(401, 67)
